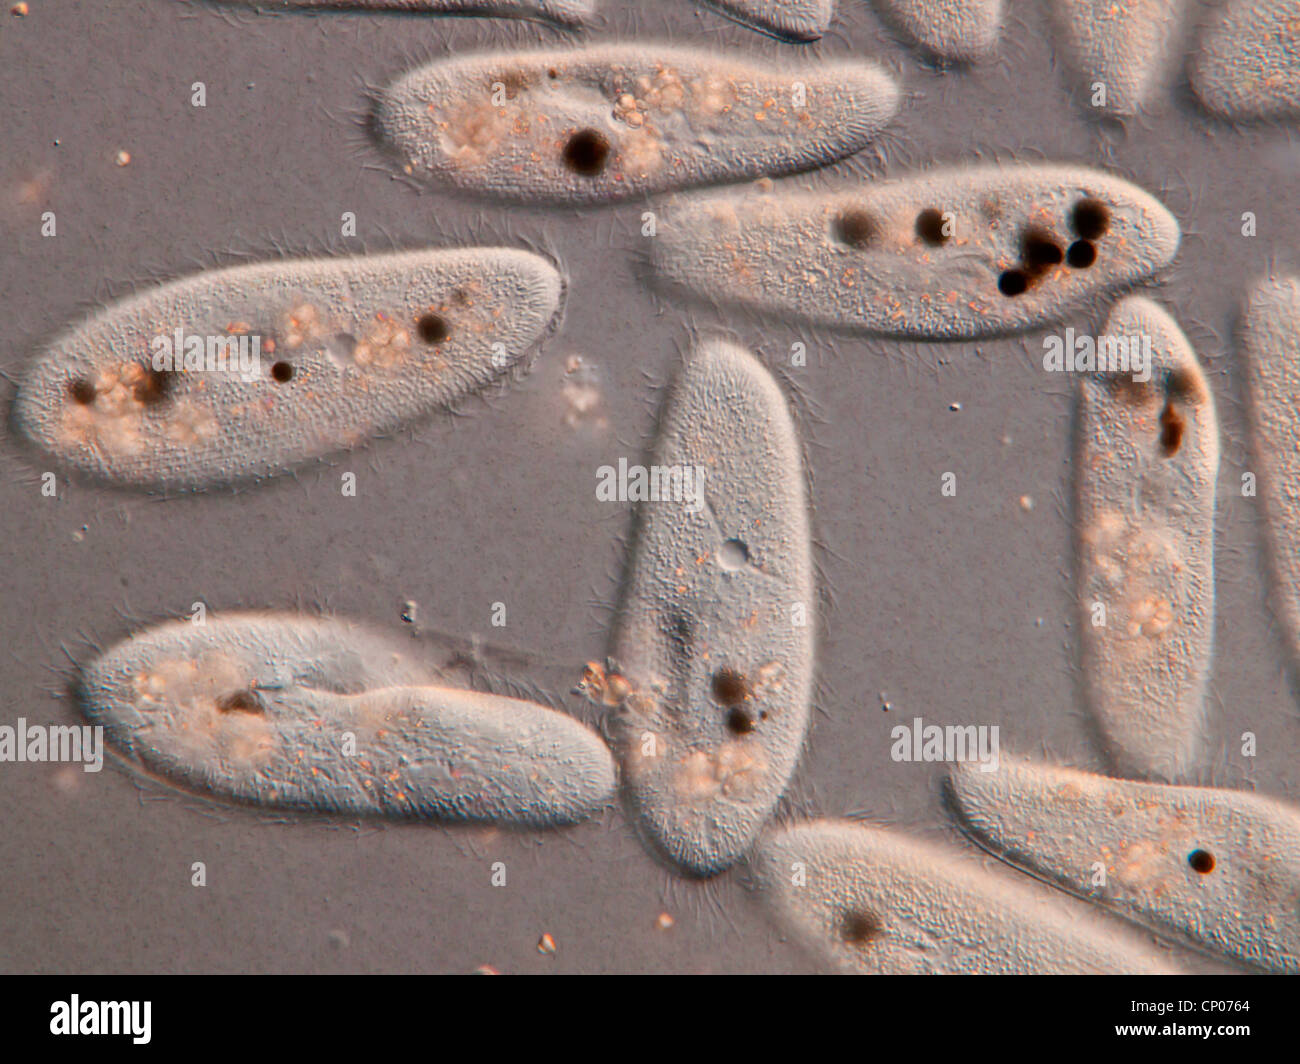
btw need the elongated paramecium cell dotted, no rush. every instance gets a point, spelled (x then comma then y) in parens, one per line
(873, 901)
(565, 11)
(948, 255)
(1270, 357)
(1122, 54)
(1248, 62)
(249, 371)
(611, 122)
(796, 20)
(715, 633)
(298, 713)
(1218, 868)
(1148, 459)
(958, 30)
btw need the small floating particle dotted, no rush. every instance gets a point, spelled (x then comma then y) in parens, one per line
(546, 944)
(1026, 502)
(664, 922)
(19, 9)
(486, 969)
(122, 158)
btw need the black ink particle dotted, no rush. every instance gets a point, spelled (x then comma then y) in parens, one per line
(239, 702)
(433, 328)
(730, 687)
(929, 227)
(1039, 251)
(1172, 427)
(154, 386)
(740, 722)
(855, 227)
(860, 928)
(1081, 254)
(1201, 861)
(281, 372)
(586, 152)
(1091, 219)
(1013, 282)
(82, 391)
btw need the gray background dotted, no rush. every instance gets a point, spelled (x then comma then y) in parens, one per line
(957, 610)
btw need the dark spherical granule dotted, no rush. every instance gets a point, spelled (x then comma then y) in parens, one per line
(281, 372)
(930, 228)
(1202, 861)
(433, 328)
(1039, 251)
(586, 152)
(1090, 219)
(1013, 282)
(1081, 254)
(82, 391)
(860, 928)
(856, 228)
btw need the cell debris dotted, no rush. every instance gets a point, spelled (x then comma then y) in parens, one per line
(290, 712)
(1148, 458)
(956, 30)
(569, 12)
(795, 20)
(871, 901)
(1218, 868)
(1125, 51)
(612, 122)
(264, 367)
(1270, 358)
(715, 635)
(1248, 63)
(954, 254)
